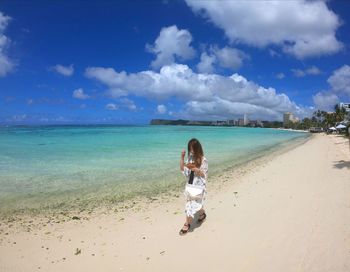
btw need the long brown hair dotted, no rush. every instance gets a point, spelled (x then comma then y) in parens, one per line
(197, 150)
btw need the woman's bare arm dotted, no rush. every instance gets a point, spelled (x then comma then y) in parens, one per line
(183, 153)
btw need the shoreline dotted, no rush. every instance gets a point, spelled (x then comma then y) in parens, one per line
(290, 207)
(85, 211)
(90, 189)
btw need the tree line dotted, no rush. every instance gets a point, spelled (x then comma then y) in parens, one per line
(321, 119)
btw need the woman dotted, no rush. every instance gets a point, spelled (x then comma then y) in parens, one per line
(195, 169)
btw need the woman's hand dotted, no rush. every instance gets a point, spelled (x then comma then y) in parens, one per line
(191, 166)
(183, 153)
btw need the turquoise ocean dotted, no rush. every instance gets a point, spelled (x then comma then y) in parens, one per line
(49, 167)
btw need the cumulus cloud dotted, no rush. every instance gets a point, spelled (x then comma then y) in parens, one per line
(172, 43)
(110, 78)
(325, 100)
(313, 70)
(229, 57)
(64, 70)
(226, 57)
(124, 102)
(206, 64)
(128, 103)
(199, 91)
(340, 80)
(161, 109)
(281, 23)
(79, 94)
(6, 65)
(339, 83)
(111, 106)
(220, 108)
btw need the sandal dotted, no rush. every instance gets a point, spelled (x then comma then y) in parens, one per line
(201, 218)
(184, 231)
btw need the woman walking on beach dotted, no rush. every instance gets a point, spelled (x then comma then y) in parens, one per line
(195, 168)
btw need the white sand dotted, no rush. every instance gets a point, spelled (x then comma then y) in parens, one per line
(290, 214)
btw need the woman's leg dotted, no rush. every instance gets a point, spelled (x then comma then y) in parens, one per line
(186, 226)
(191, 209)
(201, 215)
(188, 220)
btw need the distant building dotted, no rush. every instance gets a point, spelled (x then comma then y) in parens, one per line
(289, 117)
(245, 120)
(231, 122)
(255, 123)
(219, 123)
(346, 106)
(236, 122)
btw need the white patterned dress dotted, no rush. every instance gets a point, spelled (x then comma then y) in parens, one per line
(193, 205)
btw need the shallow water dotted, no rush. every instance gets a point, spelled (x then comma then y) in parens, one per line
(53, 165)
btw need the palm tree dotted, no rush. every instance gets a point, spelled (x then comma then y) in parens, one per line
(340, 113)
(329, 119)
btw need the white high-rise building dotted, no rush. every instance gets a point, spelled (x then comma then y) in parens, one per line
(245, 120)
(346, 106)
(289, 117)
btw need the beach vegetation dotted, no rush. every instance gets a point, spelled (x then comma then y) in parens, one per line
(321, 119)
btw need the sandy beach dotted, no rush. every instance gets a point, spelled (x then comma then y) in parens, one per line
(287, 213)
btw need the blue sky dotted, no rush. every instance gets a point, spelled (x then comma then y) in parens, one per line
(127, 62)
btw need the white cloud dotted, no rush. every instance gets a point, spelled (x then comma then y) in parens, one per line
(298, 72)
(129, 104)
(6, 65)
(109, 77)
(325, 100)
(313, 70)
(226, 57)
(295, 26)
(161, 109)
(273, 53)
(220, 108)
(79, 94)
(171, 43)
(340, 80)
(206, 64)
(64, 70)
(229, 57)
(280, 76)
(199, 90)
(111, 106)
